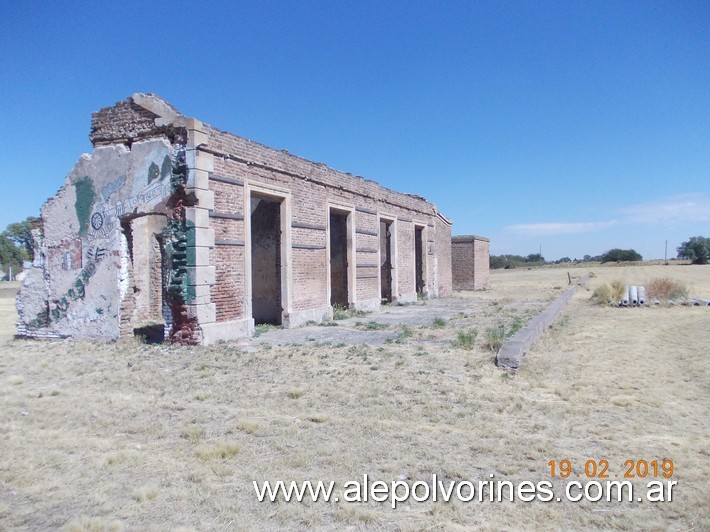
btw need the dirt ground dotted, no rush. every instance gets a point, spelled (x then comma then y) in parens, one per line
(154, 437)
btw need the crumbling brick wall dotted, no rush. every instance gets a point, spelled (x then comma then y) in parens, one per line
(470, 262)
(207, 182)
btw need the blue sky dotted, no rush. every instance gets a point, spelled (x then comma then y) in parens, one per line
(572, 126)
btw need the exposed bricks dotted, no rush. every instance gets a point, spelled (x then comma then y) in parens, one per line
(470, 262)
(226, 178)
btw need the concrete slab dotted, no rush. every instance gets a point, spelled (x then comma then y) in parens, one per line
(392, 316)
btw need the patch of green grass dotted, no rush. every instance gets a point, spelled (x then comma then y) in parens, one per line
(371, 325)
(439, 323)
(467, 339)
(515, 326)
(263, 328)
(341, 312)
(405, 332)
(494, 337)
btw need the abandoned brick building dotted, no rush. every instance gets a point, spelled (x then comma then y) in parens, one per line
(176, 229)
(470, 262)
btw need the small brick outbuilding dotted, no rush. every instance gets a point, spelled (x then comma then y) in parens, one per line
(174, 229)
(470, 262)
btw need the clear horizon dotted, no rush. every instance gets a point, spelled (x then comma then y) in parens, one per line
(571, 127)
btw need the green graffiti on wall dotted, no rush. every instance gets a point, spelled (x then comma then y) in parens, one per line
(57, 309)
(85, 197)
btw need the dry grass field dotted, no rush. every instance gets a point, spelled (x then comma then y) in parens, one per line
(144, 437)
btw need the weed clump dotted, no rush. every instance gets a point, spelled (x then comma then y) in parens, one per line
(467, 339)
(602, 294)
(608, 294)
(371, 325)
(341, 312)
(494, 338)
(218, 450)
(666, 289)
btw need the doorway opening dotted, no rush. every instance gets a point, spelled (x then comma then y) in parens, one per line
(339, 259)
(386, 261)
(266, 305)
(142, 306)
(419, 260)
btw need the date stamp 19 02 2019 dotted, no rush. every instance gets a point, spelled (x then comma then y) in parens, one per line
(600, 468)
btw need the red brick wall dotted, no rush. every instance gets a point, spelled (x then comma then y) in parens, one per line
(470, 262)
(443, 252)
(311, 187)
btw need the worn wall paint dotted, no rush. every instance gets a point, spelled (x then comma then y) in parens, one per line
(79, 293)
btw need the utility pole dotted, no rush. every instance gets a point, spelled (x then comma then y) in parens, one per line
(665, 256)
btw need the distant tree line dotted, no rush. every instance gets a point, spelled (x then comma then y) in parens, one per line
(518, 261)
(498, 262)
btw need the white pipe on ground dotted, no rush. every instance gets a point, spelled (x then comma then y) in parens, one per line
(625, 297)
(633, 295)
(642, 295)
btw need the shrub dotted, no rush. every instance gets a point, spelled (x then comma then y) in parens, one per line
(666, 289)
(494, 338)
(405, 332)
(602, 294)
(439, 323)
(609, 293)
(617, 290)
(467, 339)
